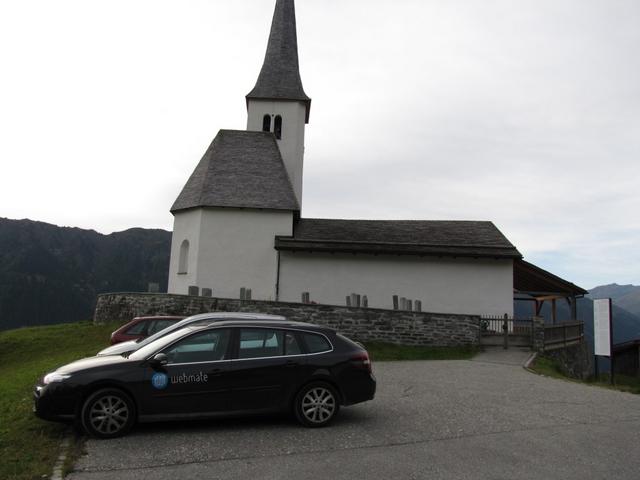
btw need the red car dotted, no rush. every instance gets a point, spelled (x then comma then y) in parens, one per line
(142, 327)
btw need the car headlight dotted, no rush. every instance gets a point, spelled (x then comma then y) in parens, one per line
(54, 377)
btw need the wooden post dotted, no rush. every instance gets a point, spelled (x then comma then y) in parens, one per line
(533, 332)
(505, 331)
(554, 311)
(574, 308)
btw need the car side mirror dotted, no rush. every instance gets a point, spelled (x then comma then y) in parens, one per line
(159, 359)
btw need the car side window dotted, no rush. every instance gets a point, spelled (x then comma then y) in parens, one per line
(291, 344)
(158, 325)
(208, 346)
(260, 342)
(137, 329)
(316, 343)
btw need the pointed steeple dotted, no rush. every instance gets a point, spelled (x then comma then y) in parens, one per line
(279, 78)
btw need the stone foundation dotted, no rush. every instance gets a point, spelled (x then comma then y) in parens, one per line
(363, 324)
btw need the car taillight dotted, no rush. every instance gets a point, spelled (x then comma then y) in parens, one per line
(362, 360)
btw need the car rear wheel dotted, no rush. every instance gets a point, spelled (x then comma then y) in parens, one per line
(316, 405)
(108, 413)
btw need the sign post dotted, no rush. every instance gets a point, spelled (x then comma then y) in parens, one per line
(603, 332)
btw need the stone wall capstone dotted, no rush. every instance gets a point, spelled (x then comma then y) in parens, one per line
(363, 324)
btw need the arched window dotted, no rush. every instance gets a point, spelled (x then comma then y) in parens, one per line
(277, 127)
(266, 123)
(183, 265)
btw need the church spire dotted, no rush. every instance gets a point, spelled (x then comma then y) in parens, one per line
(279, 78)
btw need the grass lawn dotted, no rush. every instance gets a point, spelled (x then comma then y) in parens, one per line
(386, 351)
(29, 447)
(547, 366)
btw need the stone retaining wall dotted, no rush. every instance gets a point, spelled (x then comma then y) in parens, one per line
(363, 324)
(575, 361)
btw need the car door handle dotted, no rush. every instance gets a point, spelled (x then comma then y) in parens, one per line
(216, 372)
(291, 363)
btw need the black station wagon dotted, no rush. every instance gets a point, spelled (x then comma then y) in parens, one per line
(228, 367)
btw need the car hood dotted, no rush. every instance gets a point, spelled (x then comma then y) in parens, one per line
(92, 362)
(120, 348)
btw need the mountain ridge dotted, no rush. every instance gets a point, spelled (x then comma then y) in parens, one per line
(624, 296)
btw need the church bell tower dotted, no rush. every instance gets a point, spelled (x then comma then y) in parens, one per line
(278, 103)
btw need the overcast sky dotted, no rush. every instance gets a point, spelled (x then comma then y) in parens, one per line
(526, 113)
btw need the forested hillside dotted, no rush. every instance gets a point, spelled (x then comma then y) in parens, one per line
(51, 274)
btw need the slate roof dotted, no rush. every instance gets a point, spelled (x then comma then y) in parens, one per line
(280, 75)
(239, 169)
(404, 237)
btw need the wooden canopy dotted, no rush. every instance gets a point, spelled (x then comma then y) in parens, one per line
(532, 283)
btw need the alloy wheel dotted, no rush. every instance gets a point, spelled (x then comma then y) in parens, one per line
(318, 405)
(109, 414)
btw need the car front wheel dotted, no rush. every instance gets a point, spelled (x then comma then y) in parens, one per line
(316, 405)
(108, 413)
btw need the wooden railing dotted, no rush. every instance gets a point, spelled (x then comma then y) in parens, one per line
(563, 334)
(505, 331)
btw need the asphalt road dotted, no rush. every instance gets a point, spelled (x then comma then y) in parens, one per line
(482, 419)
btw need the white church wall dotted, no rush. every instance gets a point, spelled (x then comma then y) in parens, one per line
(461, 286)
(235, 250)
(186, 226)
(292, 142)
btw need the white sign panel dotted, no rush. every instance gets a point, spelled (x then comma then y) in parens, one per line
(602, 327)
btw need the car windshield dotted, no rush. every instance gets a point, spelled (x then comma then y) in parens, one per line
(151, 347)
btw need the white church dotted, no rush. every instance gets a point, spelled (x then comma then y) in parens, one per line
(237, 222)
